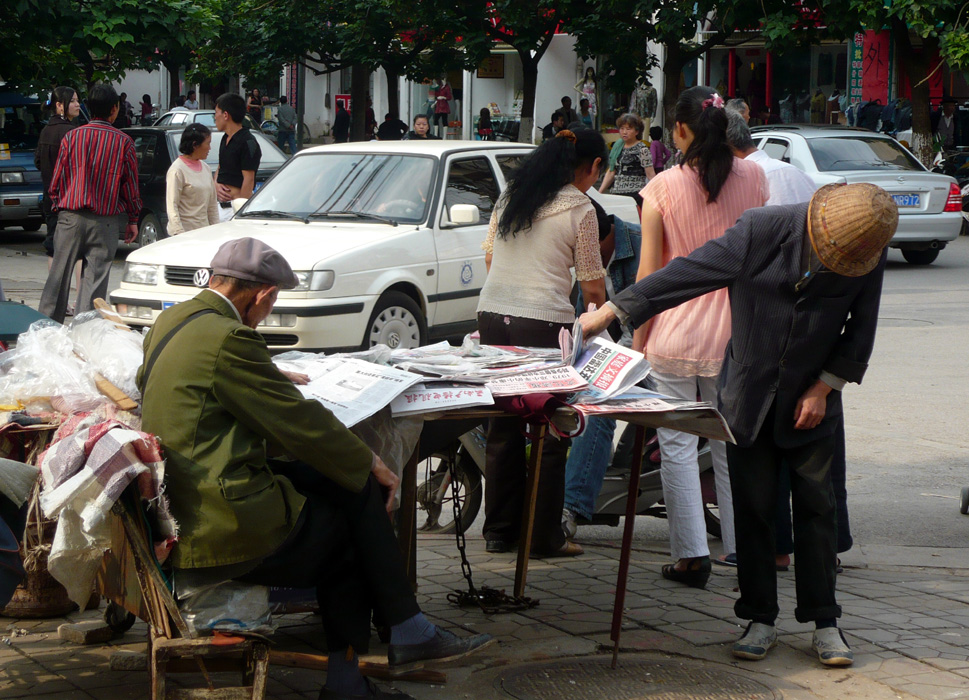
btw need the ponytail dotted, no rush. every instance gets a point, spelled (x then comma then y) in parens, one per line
(62, 95)
(548, 169)
(701, 109)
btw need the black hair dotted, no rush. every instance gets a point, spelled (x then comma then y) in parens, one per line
(656, 133)
(566, 98)
(418, 116)
(484, 118)
(193, 137)
(146, 98)
(558, 115)
(709, 153)
(101, 99)
(548, 169)
(191, 92)
(583, 101)
(180, 101)
(388, 116)
(62, 95)
(632, 120)
(282, 99)
(233, 105)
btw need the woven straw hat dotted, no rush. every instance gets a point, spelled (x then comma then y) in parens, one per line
(850, 225)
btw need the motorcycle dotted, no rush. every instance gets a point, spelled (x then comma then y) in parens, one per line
(467, 456)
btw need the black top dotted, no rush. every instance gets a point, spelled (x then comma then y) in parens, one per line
(548, 132)
(341, 125)
(392, 130)
(602, 218)
(241, 152)
(48, 145)
(414, 136)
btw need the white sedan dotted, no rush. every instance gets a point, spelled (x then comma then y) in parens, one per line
(929, 204)
(385, 238)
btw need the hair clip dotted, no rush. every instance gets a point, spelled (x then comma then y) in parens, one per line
(566, 134)
(713, 101)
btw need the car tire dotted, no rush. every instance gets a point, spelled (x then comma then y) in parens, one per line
(920, 257)
(31, 226)
(150, 230)
(397, 322)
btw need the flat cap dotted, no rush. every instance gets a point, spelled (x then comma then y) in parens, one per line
(253, 260)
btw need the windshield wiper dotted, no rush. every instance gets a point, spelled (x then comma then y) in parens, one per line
(354, 214)
(272, 214)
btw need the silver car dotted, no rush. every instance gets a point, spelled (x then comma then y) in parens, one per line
(929, 204)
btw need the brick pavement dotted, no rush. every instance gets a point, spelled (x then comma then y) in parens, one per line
(908, 626)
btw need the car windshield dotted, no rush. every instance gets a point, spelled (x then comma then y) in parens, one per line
(338, 185)
(20, 125)
(207, 118)
(271, 157)
(861, 153)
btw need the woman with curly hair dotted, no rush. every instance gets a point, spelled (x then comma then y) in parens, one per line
(543, 226)
(190, 190)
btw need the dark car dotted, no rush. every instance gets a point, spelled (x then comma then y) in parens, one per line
(21, 188)
(157, 148)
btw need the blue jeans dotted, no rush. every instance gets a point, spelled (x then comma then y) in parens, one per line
(284, 137)
(586, 466)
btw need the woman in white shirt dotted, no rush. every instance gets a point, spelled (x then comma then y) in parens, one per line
(190, 191)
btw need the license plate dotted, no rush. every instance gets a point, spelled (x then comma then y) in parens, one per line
(168, 304)
(907, 200)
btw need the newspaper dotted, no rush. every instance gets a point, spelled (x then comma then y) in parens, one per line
(352, 389)
(553, 380)
(473, 362)
(610, 370)
(440, 396)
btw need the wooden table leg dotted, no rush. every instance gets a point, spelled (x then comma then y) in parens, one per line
(627, 541)
(407, 536)
(528, 510)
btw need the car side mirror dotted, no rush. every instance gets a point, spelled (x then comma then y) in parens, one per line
(464, 214)
(237, 203)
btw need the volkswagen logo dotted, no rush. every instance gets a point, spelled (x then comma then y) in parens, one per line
(901, 180)
(201, 278)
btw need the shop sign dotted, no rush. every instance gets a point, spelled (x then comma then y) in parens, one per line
(856, 51)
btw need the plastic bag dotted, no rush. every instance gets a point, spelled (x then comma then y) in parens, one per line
(43, 364)
(113, 352)
(228, 606)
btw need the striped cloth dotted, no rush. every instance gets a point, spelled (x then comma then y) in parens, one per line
(97, 171)
(689, 340)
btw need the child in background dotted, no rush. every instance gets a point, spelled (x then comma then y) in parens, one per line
(485, 132)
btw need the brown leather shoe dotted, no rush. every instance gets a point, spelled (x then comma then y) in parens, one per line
(569, 549)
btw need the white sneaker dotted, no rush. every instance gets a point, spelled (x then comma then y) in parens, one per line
(756, 642)
(569, 526)
(832, 648)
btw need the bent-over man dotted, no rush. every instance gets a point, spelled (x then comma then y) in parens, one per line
(805, 282)
(218, 403)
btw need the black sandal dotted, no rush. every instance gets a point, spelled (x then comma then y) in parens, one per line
(696, 575)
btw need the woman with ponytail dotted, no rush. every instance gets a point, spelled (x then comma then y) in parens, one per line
(683, 208)
(543, 226)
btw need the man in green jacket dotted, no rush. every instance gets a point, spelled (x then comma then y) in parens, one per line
(213, 396)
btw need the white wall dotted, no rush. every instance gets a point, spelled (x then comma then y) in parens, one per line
(558, 72)
(139, 82)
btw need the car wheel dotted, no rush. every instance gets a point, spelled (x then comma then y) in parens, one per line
(396, 322)
(150, 230)
(920, 257)
(31, 226)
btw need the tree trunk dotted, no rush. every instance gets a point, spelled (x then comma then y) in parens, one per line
(173, 83)
(359, 94)
(918, 65)
(530, 73)
(393, 91)
(672, 68)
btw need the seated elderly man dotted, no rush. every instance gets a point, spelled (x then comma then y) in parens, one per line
(218, 403)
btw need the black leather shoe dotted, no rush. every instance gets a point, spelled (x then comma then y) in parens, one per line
(374, 692)
(696, 574)
(497, 546)
(445, 646)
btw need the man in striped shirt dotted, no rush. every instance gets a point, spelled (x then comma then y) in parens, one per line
(95, 183)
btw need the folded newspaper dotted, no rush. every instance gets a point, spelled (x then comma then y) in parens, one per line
(352, 389)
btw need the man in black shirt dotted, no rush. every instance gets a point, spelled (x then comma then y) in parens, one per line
(239, 154)
(393, 129)
(558, 123)
(341, 123)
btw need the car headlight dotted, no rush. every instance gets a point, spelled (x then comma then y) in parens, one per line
(315, 280)
(140, 273)
(13, 178)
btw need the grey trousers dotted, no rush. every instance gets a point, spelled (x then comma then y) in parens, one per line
(93, 240)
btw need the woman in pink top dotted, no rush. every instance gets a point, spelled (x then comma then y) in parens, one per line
(683, 208)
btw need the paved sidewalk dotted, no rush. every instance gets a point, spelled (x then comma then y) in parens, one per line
(906, 617)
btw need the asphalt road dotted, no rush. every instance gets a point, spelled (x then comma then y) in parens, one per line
(908, 444)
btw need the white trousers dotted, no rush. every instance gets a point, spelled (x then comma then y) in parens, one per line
(681, 474)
